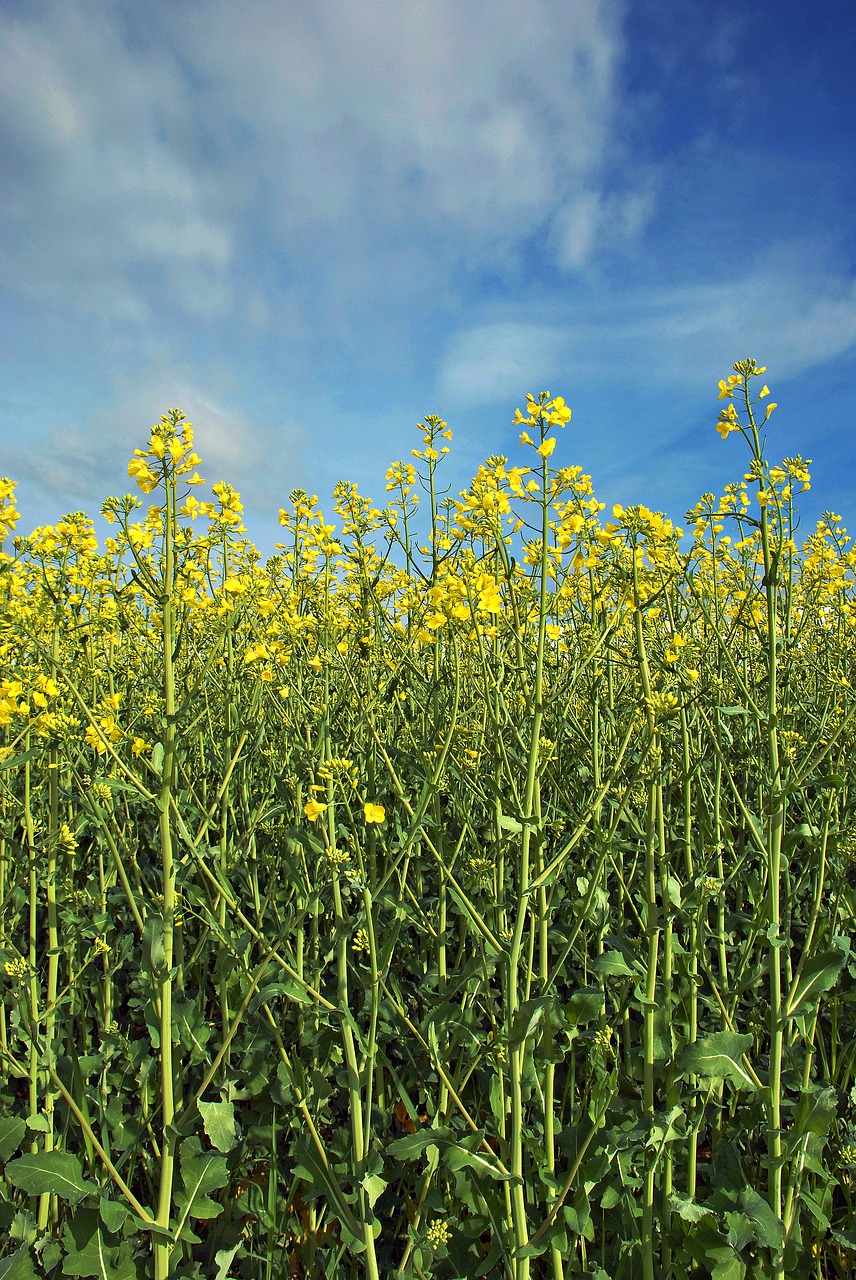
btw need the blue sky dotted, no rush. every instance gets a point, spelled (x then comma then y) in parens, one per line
(310, 224)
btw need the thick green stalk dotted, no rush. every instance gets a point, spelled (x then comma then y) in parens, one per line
(355, 1093)
(775, 808)
(45, 1201)
(652, 927)
(516, 1052)
(692, 1032)
(169, 1138)
(32, 939)
(775, 833)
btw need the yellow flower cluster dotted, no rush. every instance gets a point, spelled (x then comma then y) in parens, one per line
(169, 455)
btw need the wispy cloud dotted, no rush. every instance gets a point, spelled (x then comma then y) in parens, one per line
(144, 161)
(83, 463)
(677, 336)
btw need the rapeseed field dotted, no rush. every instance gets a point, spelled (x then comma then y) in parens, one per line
(465, 891)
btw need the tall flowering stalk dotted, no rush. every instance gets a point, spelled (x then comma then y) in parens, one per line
(541, 415)
(776, 584)
(163, 467)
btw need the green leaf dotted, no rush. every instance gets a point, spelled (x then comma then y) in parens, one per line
(493, 1259)
(89, 1252)
(13, 763)
(412, 1145)
(18, 1266)
(113, 1214)
(50, 1172)
(223, 1259)
(716, 1056)
(613, 963)
(374, 1187)
(688, 1209)
(154, 956)
(11, 1133)
(510, 824)
(49, 1253)
(815, 1113)
(818, 976)
(467, 1153)
(811, 1202)
(38, 1124)
(201, 1174)
(191, 1030)
(847, 1239)
(732, 1268)
(532, 1250)
(218, 1120)
(769, 1229)
(526, 1020)
(583, 1006)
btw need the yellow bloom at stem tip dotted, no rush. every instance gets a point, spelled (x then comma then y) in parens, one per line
(374, 812)
(313, 809)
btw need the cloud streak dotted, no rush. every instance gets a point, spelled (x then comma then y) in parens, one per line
(669, 337)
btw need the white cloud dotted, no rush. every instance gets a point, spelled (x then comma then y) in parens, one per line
(495, 362)
(780, 312)
(146, 161)
(101, 187)
(84, 462)
(593, 220)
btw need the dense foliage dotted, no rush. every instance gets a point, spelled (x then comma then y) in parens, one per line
(472, 902)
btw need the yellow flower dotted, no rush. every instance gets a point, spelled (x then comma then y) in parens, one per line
(728, 421)
(547, 447)
(94, 740)
(139, 470)
(374, 812)
(139, 745)
(313, 809)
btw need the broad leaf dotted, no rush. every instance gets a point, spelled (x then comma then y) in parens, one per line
(113, 1213)
(583, 1006)
(769, 1230)
(818, 976)
(223, 1259)
(50, 1172)
(11, 1135)
(468, 1153)
(374, 1188)
(526, 1019)
(218, 1120)
(688, 1209)
(612, 963)
(91, 1252)
(18, 1266)
(718, 1056)
(412, 1145)
(201, 1174)
(732, 1268)
(510, 824)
